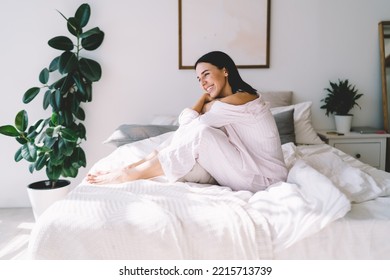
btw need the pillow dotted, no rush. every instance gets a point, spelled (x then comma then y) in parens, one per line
(277, 98)
(128, 133)
(285, 123)
(304, 131)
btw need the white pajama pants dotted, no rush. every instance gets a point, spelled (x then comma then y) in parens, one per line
(195, 148)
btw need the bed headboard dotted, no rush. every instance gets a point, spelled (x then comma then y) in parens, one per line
(277, 98)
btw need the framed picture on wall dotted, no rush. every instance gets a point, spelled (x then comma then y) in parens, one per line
(238, 27)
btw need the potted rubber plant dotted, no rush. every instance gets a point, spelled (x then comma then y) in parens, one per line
(54, 143)
(340, 99)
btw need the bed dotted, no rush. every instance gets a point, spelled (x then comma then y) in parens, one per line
(332, 206)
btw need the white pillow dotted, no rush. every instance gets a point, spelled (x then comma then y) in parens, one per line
(304, 131)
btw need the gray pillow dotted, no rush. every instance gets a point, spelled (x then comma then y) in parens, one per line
(128, 133)
(285, 123)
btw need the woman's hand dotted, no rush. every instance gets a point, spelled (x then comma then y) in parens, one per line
(203, 104)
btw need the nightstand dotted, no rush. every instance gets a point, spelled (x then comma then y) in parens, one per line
(368, 148)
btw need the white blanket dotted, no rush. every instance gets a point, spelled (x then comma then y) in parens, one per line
(153, 219)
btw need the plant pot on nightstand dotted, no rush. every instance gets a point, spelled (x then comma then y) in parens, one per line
(343, 123)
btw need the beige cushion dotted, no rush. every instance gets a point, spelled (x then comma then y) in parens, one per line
(277, 98)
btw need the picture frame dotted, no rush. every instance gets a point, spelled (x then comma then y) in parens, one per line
(239, 28)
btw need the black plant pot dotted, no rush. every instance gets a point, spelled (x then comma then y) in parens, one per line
(47, 184)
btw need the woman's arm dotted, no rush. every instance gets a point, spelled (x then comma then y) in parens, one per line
(200, 104)
(222, 115)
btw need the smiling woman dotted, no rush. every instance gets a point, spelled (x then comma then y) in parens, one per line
(219, 77)
(229, 133)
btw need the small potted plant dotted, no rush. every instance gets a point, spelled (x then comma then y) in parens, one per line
(54, 143)
(341, 98)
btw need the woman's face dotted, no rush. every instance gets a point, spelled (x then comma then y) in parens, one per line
(213, 80)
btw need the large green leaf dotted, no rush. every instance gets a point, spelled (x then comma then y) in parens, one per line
(68, 84)
(66, 147)
(82, 14)
(56, 157)
(74, 26)
(95, 30)
(90, 69)
(54, 64)
(30, 94)
(67, 62)
(9, 130)
(21, 140)
(53, 172)
(82, 132)
(49, 141)
(21, 121)
(88, 90)
(61, 43)
(31, 167)
(41, 162)
(67, 118)
(39, 125)
(80, 85)
(80, 114)
(18, 155)
(69, 135)
(93, 41)
(69, 170)
(78, 158)
(36, 129)
(53, 103)
(44, 76)
(46, 99)
(50, 131)
(82, 160)
(54, 119)
(29, 152)
(57, 98)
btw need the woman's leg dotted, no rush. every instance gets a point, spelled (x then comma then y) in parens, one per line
(146, 168)
(211, 149)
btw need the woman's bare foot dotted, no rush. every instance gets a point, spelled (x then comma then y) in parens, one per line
(144, 169)
(118, 176)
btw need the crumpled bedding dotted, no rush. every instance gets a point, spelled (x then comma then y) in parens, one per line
(154, 219)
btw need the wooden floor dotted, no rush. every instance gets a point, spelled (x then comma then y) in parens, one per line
(15, 228)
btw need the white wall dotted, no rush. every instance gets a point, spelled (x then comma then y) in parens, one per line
(312, 42)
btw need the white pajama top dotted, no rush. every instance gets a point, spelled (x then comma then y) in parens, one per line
(238, 145)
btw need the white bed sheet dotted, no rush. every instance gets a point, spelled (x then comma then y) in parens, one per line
(153, 219)
(362, 234)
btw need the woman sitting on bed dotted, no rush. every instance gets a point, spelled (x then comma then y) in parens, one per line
(229, 132)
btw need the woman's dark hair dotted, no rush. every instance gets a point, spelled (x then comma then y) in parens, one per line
(222, 60)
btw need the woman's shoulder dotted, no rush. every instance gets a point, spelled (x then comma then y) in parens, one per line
(239, 98)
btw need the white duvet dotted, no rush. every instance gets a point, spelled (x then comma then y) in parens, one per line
(153, 219)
